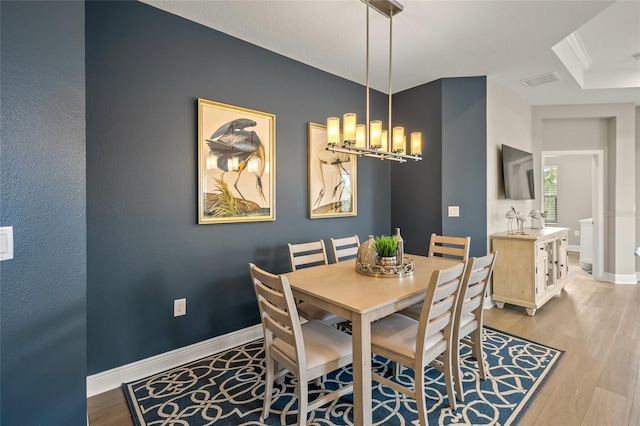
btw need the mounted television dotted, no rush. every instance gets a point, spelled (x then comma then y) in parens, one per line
(517, 171)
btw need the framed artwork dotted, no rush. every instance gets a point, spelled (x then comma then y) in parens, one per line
(332, 178)
(236, 164)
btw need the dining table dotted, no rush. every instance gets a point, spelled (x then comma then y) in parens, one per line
(362, 299)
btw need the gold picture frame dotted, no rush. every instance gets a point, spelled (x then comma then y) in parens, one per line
(333, 179)
(236, 164)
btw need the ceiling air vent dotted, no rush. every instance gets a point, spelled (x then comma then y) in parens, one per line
(538, 80)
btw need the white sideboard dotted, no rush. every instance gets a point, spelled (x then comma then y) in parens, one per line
(530, 269)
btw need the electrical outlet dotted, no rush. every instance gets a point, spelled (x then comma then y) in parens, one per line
(576, 233)
(179, 307)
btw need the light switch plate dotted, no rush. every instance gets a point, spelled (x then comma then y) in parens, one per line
(6, 243)
(179, 307)
(454, 211)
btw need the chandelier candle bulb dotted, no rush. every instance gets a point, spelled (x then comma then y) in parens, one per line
(416, 143)
(398, 138)
(384, 141)
(361, 135)
(375, 129)
(333, 131)
(349, 127)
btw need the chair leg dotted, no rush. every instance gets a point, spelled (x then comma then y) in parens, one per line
(270, 367)
(448, 379)
(280, 378)
(476, 337)
(421, 397)
(303, 401)
(457, 373)
(396, 368)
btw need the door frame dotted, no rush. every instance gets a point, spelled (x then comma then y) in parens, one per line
(597, 202)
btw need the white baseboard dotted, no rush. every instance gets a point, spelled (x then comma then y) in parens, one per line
(573, 248)
(620, 278)
(111, 379)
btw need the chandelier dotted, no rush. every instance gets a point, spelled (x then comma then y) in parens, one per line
(376, 142)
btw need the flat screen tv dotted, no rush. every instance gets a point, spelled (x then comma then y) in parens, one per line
(517, 171)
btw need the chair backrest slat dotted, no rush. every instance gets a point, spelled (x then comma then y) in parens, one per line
(278, 310)
(279, 331)
(307, 254)
(439, 304)
(456, 248)
(344, 248)
(474, 287)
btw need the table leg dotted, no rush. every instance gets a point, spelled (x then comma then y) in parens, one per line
(362, 393)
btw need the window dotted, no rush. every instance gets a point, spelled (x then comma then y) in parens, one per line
(551, 193)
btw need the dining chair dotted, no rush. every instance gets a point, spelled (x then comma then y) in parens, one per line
(456, 248)
(468, 319)
(308, 350)
(344, 248)
(417, 344)
(453, 248)
(310, 254)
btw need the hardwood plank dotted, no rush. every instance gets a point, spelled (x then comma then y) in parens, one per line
(634, 417)
(109, 409)
(573, 384)
(621, 367)
(606, 408)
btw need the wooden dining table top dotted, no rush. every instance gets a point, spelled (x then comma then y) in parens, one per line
(340, 284)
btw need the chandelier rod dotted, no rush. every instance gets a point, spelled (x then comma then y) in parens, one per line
(367, 81)
(390, 134)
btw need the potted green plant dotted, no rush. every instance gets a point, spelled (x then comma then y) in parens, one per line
(386, 247)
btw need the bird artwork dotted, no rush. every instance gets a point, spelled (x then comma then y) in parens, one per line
(337, 182)
(537, 218)
(234, 146)
(511, 215)
(521, 218)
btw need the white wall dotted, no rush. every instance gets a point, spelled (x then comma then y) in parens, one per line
(637, 189)
(621, 175)
(509, 123)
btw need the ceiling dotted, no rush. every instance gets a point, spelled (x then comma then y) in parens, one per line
(508, 41)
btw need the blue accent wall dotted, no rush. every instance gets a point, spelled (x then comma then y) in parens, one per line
(42, 195)
(464, 159)
(145, 70)
(451, 113)
(417, 189)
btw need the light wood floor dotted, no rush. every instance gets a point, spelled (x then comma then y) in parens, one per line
(597, 381)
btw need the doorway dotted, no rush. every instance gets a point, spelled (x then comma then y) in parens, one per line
(596, 160)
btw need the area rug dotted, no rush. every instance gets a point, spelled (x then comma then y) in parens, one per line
(227, 389)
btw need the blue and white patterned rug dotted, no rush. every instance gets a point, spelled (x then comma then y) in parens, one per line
(227, 389)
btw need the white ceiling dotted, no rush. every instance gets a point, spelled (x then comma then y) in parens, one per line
(507, 41)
